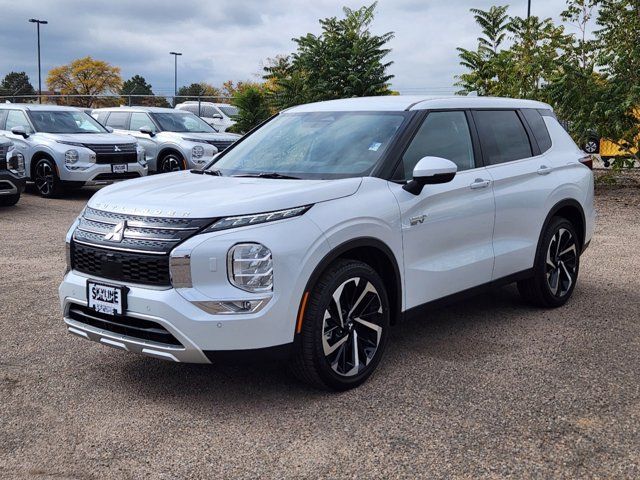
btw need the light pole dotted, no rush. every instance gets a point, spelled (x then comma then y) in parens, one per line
(175, 75)
(38, 22)
(528, 9)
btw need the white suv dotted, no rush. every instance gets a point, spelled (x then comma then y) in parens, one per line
(173, 140)
(63, 147)
(312, 235)
(218, 115)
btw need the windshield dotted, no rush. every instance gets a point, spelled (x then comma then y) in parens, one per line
(65, 122)
(315, 145)
(182, 122)
(228, 110)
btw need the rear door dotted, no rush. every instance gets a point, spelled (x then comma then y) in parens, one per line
(447, 229)
(522, 181)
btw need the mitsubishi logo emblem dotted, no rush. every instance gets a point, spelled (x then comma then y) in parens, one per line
(117, 234)
(116, 148)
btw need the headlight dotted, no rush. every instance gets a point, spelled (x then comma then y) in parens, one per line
(195, 140)
(142, 157)
(250, 267)
(244, 220)
(197, 151)
(70, 157)
(15, 163)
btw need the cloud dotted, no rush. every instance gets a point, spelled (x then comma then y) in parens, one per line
(230, 39)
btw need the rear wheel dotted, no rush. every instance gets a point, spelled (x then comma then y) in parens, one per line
(46, 178)
(344, 329)
(171, 162)
(556, 266)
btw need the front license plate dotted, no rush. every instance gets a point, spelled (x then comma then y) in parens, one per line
(119, 168)
(107, 299)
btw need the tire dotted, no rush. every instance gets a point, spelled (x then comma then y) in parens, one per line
(171, 162)
(592, 145)
(46, 179)
(347, 291)
(556, 267)
(9, 200)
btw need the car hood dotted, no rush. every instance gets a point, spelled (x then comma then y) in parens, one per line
(204, 196)
(91, 138)
(216, 137)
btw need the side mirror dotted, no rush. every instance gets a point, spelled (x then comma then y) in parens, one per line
(109, 129)
(431, 171)
(148, 130)
(20, 130)
(216, 116)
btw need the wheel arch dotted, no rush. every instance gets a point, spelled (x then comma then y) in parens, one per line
(376, 254)
(572, 210)
(170, 149)
(39, 155)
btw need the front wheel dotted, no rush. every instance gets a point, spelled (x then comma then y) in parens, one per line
(171, 162)
(344, 328)
(46, 178)
(556, 266)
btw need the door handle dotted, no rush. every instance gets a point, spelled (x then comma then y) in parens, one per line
(544, 170)
(480, 183)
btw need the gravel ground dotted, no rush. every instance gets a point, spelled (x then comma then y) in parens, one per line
(484, 388)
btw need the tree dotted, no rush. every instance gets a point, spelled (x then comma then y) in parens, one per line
(253, 107)
(345, 60)
(137, 85)
(196, 90)
(15, 84)
(87, 77)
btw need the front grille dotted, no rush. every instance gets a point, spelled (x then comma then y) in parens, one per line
(114, 153)
(123, 325)
(221, 145)
(129, 248)
(121, 266)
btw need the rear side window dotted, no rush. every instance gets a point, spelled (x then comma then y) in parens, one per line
(538, 127)
(502, 136)
(102, 116)
(119, 120)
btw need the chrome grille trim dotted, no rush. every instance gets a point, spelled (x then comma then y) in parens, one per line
(111, 148)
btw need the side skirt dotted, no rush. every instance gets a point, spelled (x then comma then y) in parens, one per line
(471, 292)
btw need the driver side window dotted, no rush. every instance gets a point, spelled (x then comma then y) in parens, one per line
(442, 134)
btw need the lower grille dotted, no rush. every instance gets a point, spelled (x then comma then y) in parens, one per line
(116, 158)
(123, 325)
(116, 176)
(145, 269)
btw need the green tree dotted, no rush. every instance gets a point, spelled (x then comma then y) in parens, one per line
(345, 60)
(253, 107)
(15, 84)
(196, 90)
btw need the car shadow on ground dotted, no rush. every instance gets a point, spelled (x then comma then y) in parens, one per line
(448, 333)
(84, 193)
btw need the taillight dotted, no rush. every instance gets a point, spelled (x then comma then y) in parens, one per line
(587, 161)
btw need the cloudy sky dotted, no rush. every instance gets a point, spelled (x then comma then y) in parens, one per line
(229, 39)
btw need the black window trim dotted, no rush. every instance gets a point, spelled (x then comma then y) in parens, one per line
(526, 122)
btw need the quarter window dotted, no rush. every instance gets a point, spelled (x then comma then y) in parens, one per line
(118, 120)
(442, 134)
(538, 127)
(17, 118)
(502, 136)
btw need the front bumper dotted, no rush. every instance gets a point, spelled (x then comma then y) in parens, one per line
(101, 173)
(11, 184)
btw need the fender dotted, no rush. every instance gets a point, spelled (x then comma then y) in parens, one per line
(568, 202)
(395, 298)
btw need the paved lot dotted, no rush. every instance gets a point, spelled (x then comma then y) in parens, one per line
(485, 388)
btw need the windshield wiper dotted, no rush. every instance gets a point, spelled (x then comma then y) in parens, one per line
(268, 175)
(215, 173)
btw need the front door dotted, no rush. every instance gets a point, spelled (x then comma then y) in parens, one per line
(447, 229)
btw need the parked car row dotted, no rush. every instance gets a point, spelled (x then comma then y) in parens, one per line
(218, 115)
(63, 148)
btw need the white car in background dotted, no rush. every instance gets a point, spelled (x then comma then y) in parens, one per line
(326, 225)
(172, 139)
(64, 148)
(218, 115)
